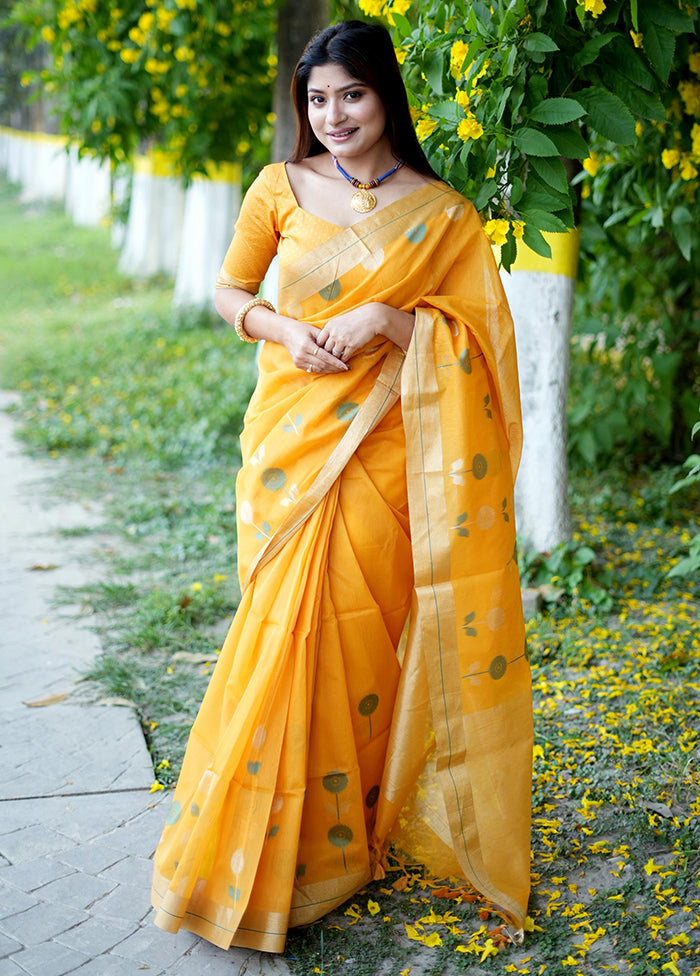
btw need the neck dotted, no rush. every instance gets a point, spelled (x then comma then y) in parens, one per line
(370, 164)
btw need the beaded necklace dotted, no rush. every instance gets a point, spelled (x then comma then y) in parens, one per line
(364, 200)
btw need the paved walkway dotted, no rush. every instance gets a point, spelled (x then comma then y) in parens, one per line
(78, 824)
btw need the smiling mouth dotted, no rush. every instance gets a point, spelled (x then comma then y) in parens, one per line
(341, 133)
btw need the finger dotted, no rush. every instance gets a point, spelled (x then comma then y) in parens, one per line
(329, 361)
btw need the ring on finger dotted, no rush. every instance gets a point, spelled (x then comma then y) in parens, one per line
(315, 351)
(309, 369)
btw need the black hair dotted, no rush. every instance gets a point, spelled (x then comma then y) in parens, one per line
(367, 54)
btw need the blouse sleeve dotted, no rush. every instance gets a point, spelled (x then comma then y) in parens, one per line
(255, 238)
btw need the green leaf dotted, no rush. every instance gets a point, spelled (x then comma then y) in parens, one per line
(591, 49)
(534, 143)
(543, 221)
(402, 23)
(539, 42)
(516, 190)
(570, 144)
(608, 115)
(551, 171)
(682, 224)
(557, 111)
(434, 71)
(625, 59)
(659, 46)
(666, 15)
(536, 242)
(486, 191)
(508, 252)
(635, 14)
(641, 103)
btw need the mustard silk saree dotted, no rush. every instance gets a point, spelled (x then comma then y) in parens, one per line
(375, 526)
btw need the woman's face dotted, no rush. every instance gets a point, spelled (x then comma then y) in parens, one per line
(346, 115)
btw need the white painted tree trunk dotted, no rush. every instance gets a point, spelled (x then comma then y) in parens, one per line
(48, 165)
(36, 161)
(154, 227)
(211, 208)
(540, 293)
(87, 189)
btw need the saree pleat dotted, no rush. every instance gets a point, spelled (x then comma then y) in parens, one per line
(336, 721)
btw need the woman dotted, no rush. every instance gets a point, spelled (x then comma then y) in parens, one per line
(375, 525)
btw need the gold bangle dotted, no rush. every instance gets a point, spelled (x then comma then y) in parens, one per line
(242, 312)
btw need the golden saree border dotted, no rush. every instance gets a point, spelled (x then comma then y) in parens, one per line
(434, 622)
(346, 249)
(375, 407)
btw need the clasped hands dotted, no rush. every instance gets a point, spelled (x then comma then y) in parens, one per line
(327, 350)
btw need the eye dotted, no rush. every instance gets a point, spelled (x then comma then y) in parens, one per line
(316, 100)
(353, 95)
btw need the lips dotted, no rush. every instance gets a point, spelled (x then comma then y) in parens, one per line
(342, 133)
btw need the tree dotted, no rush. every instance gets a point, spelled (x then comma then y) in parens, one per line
(511, 99)
(190, 77)
(296, 23)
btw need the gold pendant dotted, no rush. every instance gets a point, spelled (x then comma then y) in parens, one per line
(362, 201)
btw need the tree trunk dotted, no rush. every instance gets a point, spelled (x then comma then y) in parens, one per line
(540, 294)
(296, 24)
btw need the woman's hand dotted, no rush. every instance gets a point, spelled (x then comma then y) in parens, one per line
(345, 334)
(301, 342)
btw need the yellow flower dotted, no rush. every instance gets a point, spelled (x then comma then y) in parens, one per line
(669, 158)
(424, 127)
(181, 91)
(146, 21)
(458, 53)
(400, 54)
(637, 38)
(470, 128)
(463, 100)
(95, 125)
(184, 54)
(155, 786)
(223, 29)
(48, 33)
(155, 67)
(638, 128)
(592, 164)
(695, 136)
(401, 6)
(497, 231)
(690, 93)
(595, 7)
(164, 17)
(129, 55)
(694, 62)
(373, 8)
(688, 170)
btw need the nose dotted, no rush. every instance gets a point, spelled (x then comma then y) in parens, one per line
(336, 111)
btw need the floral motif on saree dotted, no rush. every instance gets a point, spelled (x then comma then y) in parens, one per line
(375, 517)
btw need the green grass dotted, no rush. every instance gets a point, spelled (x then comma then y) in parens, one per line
(146, 410)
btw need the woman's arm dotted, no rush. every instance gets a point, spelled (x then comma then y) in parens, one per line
(298, 338)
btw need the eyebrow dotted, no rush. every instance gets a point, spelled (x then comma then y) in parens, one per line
(353, 84)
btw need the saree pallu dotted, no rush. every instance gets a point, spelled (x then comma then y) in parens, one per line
(375, 518)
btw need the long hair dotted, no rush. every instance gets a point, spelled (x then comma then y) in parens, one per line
(367, 54)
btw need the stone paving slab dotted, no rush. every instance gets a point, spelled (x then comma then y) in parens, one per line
(78, 824)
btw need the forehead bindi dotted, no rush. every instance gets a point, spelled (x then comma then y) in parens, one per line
(332, 77)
